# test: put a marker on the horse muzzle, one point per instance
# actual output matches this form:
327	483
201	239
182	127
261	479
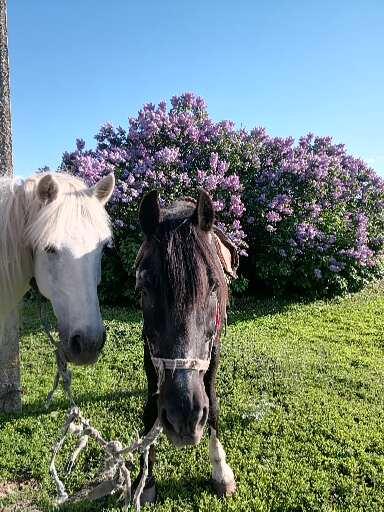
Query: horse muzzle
83	348
183	407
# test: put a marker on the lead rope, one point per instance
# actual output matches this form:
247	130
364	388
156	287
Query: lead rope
116	475
63	372
118	463
118	460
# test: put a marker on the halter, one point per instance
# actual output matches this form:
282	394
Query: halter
161	364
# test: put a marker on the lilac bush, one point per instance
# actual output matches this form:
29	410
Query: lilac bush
314	215
176	151
311	214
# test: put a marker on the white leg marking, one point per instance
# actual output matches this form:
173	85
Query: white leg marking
222	474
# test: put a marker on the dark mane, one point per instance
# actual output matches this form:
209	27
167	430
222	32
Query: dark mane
191	264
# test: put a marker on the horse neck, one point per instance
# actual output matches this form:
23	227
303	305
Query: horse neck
15	256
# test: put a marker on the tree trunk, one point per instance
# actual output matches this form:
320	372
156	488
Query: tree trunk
10	388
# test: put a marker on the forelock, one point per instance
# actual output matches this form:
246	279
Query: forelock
75	210
190	259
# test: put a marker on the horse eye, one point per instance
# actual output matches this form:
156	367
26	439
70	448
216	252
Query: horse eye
50	249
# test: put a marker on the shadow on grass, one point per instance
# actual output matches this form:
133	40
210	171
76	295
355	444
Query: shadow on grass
183	489
102	505
250	308
37	408
173	488
31	322
240	309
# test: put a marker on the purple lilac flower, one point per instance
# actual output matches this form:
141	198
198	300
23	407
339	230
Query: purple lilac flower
273	217
167	155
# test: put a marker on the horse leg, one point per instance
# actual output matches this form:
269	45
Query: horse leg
222	475
149	417
149	493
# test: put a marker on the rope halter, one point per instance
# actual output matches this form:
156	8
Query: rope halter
161	363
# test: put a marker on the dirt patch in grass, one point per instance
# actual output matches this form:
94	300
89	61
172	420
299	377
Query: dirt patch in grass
7	488
22	506
11	491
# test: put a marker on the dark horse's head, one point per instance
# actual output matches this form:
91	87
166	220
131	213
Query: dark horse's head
180	271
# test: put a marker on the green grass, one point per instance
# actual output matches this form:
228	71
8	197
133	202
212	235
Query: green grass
302	411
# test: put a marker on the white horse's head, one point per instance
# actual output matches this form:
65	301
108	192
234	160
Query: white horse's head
67	229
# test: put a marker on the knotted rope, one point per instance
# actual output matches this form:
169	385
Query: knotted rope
118	460
115	478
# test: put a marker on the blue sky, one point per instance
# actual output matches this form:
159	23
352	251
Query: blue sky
291	66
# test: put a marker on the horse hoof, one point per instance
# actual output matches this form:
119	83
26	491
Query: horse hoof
224	489
149	496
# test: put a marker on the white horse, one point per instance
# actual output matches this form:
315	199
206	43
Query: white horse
53	228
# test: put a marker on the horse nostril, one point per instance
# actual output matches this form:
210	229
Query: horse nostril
75	344
197	418
166	423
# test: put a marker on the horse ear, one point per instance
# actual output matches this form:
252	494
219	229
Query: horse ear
104	188
204	215
47	189
149	213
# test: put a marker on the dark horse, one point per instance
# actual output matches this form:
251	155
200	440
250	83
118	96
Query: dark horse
181	271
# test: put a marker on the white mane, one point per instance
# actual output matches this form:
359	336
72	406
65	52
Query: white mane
27	225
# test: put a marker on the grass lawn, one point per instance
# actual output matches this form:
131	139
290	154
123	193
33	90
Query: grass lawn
301	390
